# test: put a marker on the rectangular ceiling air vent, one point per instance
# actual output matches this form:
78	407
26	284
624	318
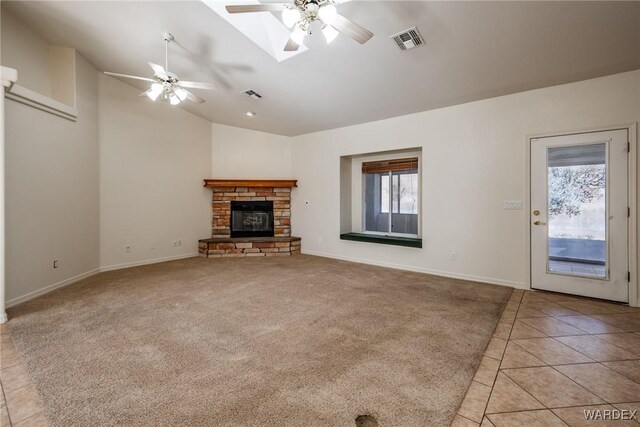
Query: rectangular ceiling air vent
252	94
408	39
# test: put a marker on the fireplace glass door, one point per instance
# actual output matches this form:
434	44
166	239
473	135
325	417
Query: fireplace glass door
251	219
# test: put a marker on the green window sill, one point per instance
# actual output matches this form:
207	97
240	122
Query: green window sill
383	240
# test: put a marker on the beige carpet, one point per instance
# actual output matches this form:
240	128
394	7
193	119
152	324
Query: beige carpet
282	341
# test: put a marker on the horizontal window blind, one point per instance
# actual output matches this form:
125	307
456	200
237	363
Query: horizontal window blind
395	165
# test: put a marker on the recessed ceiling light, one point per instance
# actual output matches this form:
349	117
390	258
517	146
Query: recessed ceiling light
251	113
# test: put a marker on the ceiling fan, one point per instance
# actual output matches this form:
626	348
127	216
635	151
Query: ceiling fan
302	13
165	85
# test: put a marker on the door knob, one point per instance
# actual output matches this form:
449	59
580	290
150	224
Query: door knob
539	223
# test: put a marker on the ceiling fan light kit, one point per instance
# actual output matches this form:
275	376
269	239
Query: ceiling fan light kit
299	16
165	85
290	16
329	33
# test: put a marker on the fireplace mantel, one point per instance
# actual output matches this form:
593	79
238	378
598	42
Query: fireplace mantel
255	183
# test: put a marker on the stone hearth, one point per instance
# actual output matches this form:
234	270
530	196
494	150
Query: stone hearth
226	191
249	246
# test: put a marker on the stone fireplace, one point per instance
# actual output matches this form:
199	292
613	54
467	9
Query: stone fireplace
250	218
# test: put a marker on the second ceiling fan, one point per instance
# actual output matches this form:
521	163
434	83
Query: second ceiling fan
299	16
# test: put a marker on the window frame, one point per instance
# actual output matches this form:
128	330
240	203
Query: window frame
390	213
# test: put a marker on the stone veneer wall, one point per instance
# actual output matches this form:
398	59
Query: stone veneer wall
223	196
278	246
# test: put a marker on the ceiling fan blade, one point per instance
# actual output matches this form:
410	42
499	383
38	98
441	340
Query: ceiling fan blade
291	46
127	76
248	8
194	98
351	29
159	70
197	85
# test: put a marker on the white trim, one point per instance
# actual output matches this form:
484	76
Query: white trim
147	262
69	281
489	280
634	284
47	289
632	129
390	234
8	77
33	99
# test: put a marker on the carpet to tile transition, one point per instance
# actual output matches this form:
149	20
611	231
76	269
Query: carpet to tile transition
282	341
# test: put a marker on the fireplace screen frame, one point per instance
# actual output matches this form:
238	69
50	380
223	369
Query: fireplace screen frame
252	206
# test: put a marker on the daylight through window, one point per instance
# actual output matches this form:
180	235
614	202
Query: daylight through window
391	192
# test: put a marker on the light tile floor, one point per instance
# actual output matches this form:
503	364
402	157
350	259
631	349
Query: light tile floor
20	405
552	357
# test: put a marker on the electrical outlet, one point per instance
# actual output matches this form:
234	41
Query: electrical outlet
127	249
320	239
55	264
179	241
454	256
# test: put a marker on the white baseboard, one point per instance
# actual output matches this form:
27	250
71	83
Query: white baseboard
50	288
490	280
89	273
148	261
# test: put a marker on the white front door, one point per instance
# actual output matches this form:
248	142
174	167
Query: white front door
579	214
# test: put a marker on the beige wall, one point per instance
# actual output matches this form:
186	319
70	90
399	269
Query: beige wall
127	173
153	158
52	198
244	153
474	158
27	52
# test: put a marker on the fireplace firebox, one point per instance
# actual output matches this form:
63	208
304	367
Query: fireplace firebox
252	219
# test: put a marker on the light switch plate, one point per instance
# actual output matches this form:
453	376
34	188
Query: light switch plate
513	205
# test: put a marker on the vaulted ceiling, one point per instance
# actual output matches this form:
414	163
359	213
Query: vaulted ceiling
473	50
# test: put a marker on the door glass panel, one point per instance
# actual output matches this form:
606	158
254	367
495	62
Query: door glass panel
577	210
376	201
405	199
395	194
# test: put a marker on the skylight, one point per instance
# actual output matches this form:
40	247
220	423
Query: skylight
263	28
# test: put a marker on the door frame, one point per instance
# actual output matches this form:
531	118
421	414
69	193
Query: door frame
634	292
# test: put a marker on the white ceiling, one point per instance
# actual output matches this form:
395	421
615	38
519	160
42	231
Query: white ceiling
473	50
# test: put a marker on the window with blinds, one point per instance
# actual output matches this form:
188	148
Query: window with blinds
391	189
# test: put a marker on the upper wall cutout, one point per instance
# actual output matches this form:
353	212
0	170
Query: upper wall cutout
46	73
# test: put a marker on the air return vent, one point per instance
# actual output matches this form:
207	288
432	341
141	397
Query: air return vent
252	94
408	39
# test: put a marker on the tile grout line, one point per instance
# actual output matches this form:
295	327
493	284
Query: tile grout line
515	382
522	304
586	333
482	416
6	405
28	384
484	413
500	369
